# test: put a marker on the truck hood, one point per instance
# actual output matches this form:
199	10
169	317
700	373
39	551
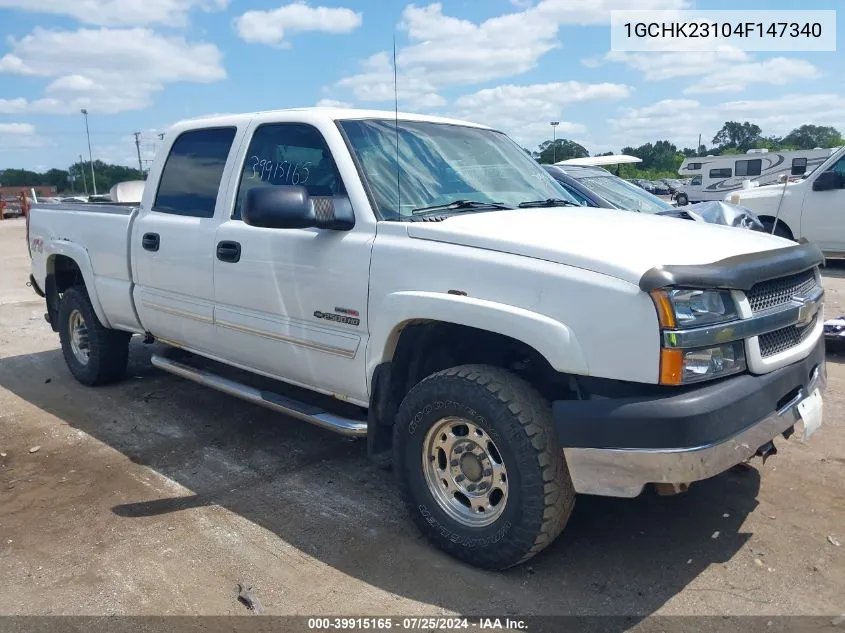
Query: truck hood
622	244
766	191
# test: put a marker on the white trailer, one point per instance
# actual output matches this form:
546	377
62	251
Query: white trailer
715	177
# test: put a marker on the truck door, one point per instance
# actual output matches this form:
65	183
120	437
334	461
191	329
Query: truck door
823	215
292	303
173	240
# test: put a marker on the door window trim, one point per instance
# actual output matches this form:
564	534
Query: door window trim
154	207
246	155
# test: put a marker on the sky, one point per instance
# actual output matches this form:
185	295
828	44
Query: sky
516	65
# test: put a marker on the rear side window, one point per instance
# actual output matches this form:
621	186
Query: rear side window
289	154
193	171
749	167
720	173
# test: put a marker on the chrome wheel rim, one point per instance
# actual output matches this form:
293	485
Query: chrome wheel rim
78	337
465	472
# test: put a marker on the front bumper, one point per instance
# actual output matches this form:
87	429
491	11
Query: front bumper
614	446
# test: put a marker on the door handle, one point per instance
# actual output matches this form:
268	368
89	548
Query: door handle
228	251
150	241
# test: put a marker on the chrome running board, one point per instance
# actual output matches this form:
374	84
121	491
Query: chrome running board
274	401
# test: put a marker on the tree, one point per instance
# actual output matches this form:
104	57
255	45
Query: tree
561	149
739	136
812	136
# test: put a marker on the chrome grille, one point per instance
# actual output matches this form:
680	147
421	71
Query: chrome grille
785	338
778	292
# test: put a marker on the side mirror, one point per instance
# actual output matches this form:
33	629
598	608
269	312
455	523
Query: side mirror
827	180
291	207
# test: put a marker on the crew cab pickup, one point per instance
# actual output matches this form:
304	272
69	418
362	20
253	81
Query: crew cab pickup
810	208
423	283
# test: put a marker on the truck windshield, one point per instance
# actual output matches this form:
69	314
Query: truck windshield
440	163
625	195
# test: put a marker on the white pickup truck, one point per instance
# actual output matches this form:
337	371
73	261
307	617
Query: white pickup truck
500	346
812	208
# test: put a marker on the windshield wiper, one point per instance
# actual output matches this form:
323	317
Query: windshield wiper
548	202
461	205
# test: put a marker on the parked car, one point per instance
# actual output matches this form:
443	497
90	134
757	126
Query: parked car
809	209
597	187
456	309
659	188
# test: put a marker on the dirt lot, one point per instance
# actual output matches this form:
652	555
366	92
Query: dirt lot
157	496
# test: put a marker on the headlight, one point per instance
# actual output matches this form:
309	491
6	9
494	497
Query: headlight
683	366
687	308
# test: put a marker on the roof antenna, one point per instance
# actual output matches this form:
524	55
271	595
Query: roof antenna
396	128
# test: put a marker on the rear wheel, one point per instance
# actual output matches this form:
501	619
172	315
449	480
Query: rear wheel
479	466
95	355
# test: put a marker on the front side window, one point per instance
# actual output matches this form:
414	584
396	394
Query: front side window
752	167
439	164
720	173
288	154
696	181
193	171
839	167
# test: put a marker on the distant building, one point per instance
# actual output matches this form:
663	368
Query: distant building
40	190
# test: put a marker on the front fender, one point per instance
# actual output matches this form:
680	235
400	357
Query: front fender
80	256
552	339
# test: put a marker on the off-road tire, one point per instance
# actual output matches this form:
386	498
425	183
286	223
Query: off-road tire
108	350
519	421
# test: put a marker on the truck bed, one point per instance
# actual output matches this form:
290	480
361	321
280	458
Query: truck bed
96	235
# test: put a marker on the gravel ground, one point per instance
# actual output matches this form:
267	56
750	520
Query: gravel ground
157	496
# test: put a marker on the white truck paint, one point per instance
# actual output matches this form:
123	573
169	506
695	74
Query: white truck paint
505	357
811	208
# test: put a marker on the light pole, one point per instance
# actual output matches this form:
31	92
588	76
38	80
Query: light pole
90	155
82	171
554	125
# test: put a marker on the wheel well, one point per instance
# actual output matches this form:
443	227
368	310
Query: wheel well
62	273
770	220
423	348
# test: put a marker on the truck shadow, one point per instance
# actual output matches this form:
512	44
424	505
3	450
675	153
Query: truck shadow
318	493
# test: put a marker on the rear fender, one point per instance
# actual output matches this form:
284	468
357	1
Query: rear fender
79	255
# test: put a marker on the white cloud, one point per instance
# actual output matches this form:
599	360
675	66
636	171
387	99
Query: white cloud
271	27
725	70
447	51
525	111
682	120
774	72
19	136
118	12
333	103
106	70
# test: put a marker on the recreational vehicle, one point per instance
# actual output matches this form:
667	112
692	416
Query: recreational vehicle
715	177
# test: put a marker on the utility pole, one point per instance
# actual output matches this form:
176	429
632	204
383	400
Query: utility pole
554	125
138	149
82	171
698	147
90	155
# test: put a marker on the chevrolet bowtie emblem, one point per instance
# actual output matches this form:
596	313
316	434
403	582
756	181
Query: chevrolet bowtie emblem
808	307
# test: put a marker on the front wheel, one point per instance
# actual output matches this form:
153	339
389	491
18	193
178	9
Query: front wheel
479	466
682	199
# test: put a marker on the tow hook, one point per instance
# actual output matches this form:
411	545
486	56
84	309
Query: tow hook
767	450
